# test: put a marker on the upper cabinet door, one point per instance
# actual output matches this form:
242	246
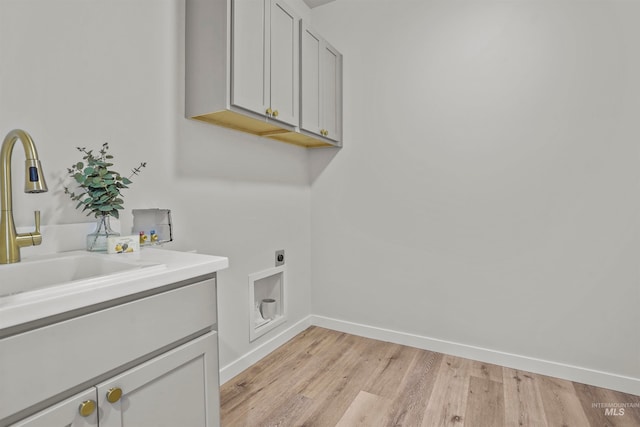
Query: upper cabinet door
311	49
331	76
265	67
249	55
321	87
284	66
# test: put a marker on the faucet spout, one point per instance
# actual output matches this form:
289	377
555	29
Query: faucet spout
10	240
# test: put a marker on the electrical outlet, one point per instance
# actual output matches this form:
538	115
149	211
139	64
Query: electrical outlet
279	257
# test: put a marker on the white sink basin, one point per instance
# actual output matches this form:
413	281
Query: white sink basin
43	286
36	274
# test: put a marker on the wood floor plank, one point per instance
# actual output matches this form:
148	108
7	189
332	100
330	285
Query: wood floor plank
607	407
395	363
367	410
561	405
337	386
486	370
485	403
522	400
415	390
277	373
447	407
327	378
285	413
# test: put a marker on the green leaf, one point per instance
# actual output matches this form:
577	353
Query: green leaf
79	165
79	177
126	181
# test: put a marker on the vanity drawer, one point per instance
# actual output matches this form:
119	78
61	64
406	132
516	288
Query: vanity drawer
61	357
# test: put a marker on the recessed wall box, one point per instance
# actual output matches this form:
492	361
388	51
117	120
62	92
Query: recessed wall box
153	226
266	285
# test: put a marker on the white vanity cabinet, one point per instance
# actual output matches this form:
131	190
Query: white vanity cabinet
148	359
321	87
169	390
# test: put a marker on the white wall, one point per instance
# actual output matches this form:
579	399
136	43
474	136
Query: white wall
79	73
488	190
487	193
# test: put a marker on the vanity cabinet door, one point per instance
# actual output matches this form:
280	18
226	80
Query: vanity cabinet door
321	86
77	411
177	388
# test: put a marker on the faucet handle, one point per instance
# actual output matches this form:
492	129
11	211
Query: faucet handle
37	218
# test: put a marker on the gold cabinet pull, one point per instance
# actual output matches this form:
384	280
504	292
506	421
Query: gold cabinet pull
114	394
87	407
269	111
275	113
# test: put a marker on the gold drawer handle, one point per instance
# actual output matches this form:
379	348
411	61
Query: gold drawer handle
269	111
275	113
87	407
114	394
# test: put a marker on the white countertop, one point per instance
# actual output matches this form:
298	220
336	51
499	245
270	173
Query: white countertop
158	267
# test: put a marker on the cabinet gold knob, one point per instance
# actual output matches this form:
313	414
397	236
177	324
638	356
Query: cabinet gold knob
275	113
87	407
269	111
114	394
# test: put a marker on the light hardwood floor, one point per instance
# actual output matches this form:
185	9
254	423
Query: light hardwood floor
328	378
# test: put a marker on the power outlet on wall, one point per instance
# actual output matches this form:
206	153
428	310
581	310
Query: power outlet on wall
279	257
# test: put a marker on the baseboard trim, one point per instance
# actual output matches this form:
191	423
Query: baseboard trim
515	361
237	366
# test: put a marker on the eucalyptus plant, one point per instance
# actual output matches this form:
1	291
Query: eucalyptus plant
99	186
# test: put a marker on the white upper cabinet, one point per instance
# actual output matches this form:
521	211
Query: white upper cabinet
321	87
243	71
264	69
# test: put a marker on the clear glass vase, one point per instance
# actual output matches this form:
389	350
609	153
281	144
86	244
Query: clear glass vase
97	241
